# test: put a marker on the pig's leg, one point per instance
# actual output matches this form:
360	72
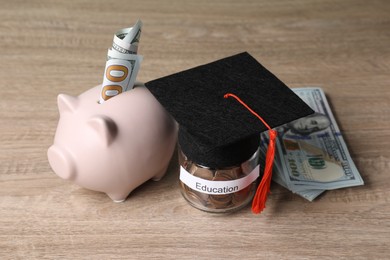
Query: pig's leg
160	174
118	196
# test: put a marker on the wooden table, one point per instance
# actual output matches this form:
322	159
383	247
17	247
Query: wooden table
52	47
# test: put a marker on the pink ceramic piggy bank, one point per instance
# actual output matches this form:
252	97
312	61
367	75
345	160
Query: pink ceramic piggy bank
115	146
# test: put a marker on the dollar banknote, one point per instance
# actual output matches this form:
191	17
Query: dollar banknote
278	177
123	62
312	155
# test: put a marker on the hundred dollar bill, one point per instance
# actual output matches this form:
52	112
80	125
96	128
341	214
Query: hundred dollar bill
309	194
311	152
123	62
278	177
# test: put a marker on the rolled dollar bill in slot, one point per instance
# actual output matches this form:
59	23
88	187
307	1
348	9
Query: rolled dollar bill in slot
123	62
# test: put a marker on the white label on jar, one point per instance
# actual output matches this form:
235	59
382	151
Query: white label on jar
217	187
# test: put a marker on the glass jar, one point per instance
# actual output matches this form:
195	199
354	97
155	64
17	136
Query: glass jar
218	190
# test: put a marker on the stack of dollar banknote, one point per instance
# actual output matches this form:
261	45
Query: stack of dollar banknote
311	155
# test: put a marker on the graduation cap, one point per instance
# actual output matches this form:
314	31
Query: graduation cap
214	129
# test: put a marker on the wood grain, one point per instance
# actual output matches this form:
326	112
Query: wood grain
50	47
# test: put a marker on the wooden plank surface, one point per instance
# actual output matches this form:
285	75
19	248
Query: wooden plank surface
52	47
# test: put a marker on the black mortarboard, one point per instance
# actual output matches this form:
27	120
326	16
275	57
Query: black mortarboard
218	132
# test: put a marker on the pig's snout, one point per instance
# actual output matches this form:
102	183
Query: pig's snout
61	163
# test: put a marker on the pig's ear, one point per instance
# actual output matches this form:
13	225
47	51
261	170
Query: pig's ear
66	103
105	127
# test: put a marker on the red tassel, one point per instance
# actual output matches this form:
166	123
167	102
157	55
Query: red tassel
263	189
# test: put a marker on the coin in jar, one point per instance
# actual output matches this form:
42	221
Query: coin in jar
204	173
193	196
244	194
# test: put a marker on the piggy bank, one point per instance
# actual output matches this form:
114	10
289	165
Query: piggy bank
115	146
